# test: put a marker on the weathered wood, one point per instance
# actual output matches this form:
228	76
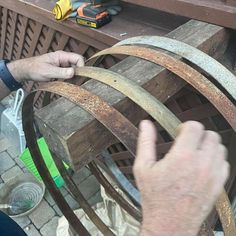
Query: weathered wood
28	28
74	135
219	12
41	11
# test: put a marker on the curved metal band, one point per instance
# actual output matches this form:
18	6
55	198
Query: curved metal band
78	196
221	74
136	93
184	71
112	192
31	139
86	102
199	82
91	103
123	181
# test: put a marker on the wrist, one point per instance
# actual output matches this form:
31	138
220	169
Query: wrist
18	70
167	227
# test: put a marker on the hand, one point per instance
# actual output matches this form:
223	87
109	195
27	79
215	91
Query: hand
179	191
54	65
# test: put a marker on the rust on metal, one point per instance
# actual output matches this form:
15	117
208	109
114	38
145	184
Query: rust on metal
31	139
122	128
208	64
136	93
208	89
184	71
123	181
111	191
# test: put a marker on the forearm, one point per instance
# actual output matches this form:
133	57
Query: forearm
155	231
4	91
167	227
18	70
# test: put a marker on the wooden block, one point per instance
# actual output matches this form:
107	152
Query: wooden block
76	136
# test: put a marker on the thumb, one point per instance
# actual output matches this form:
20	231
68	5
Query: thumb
146	150
61	73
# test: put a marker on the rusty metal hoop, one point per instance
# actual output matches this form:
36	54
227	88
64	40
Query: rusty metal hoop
120	177
208	64
184	71
218	99
86	100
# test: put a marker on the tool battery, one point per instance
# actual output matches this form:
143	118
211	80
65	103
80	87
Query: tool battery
93	16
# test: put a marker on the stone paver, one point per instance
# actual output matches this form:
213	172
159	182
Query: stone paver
49	198
11	173
4	144
22	221
89	187
25	170
1	184
50	228
57	210
13	151
81	175
5	162
19	163
30	230
71	201
42	214
44	219
64	191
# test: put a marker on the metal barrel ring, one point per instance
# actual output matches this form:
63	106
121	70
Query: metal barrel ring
125	132
123	129
202	84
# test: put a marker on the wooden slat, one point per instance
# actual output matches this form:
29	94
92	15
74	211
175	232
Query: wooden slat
62	42
126	169
12	34
34	40
48	40
78	47
217	12
22	30
3	31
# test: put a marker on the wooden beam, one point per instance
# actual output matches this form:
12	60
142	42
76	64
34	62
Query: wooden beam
219	12
77	137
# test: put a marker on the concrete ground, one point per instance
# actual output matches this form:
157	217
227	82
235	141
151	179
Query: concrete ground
44	220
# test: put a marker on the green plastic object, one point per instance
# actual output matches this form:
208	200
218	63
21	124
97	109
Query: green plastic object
28	162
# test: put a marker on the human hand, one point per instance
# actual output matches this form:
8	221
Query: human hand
179	191
49	66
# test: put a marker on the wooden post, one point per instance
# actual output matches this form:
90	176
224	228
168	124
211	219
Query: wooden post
77	137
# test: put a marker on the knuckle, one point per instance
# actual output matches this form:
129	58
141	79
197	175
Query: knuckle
213	136
185	154
194	126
